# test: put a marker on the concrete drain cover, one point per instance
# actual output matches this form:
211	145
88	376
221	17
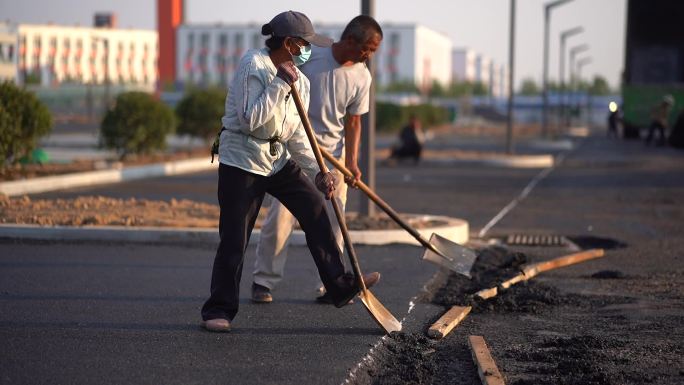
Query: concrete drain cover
535	240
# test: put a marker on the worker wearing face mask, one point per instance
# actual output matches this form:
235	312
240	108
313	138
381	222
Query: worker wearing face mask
340	85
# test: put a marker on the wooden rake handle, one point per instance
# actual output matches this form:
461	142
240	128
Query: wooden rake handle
382	204
321	164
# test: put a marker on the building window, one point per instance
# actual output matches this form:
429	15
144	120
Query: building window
237	54
392	54
203	57
221	58
256	40
188	58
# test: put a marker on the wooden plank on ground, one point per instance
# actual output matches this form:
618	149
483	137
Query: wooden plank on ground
448	321
505	285
487	293
536	268
486	367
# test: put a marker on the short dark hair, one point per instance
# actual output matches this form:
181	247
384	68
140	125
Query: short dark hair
361	28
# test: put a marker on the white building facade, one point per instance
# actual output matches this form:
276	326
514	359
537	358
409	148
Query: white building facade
209	54
464	63
470	66
51	54
8	53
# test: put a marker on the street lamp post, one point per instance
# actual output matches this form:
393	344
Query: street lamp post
580	64
561	70
367	158
545	89
511	66
573	52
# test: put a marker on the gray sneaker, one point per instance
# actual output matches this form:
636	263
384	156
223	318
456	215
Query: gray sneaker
261	294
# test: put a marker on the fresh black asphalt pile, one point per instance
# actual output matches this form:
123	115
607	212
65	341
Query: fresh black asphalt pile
537	333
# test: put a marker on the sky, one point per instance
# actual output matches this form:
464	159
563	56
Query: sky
482	25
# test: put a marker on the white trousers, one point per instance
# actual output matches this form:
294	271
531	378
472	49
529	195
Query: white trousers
271	251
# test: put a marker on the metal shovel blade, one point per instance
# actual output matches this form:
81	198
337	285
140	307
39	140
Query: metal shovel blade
379	312
455	257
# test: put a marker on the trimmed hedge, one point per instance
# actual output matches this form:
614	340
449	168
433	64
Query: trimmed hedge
138	124
199	113
23	120
392	117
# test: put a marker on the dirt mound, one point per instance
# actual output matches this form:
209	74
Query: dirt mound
492	266
577	360
104	211
404	360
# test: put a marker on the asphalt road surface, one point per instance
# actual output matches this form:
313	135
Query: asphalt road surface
129	313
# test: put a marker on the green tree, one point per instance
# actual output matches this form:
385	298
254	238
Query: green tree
138	124
391	117
599	86
529	87
402	86
437	90
200	111
23	120
480	89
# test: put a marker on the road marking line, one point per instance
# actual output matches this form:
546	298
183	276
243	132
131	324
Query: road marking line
526	191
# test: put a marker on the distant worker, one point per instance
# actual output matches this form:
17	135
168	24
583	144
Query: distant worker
659	120
614	119
411	139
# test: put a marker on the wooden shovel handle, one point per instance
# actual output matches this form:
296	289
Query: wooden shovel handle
321	164
383	205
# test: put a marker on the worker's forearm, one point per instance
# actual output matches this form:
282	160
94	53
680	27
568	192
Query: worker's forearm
352	138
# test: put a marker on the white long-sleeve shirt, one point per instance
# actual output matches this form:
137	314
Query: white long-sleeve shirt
258	111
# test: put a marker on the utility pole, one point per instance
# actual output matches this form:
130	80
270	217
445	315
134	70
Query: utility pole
545	82
573	52
561	71
581	63
367	158
511	77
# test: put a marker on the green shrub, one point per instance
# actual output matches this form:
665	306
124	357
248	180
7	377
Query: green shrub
23	120
138	124
392	117
199	112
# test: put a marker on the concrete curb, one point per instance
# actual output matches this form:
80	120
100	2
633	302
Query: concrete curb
455	230
511	161
90	178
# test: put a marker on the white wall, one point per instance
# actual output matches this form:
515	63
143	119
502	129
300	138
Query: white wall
464	65
433	57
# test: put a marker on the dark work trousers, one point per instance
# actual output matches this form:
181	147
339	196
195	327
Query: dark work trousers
240	194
